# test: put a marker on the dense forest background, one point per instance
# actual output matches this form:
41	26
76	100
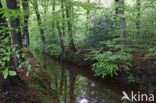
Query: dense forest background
118	35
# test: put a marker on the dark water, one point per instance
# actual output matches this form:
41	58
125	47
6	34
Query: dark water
78	85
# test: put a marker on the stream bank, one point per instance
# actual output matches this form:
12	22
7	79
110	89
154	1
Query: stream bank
75	84
61	81
146	85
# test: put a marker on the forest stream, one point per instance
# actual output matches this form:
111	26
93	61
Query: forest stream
79	85
77	51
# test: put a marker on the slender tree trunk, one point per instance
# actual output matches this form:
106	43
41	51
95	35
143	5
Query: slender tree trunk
120	10
53	23
71	45
40	25
63	16
59	31
88	17
123	27
122	21
116	24
88	12
25	4
60	37
138	3
45	3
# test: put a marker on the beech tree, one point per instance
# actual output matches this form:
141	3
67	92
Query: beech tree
71	45
63	17
15	32
35	4
120	10
111	40
10	45
25	5
60	36
138	4
60	32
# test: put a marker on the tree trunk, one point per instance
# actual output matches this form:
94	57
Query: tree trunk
123	27
26	18
120	10
60	37
138	3
122	21
40	25
15	34
72	76
63	16
16	41
59	30
53	23
71	45
88	13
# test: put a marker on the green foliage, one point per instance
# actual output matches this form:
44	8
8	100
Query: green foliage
41	85
90	31
114	57
109	63
101	30
151	52
43	88
131	78
5	73
5	57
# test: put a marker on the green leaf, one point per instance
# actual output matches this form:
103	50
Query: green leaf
29	67
2	63
5	73
12	73
23	55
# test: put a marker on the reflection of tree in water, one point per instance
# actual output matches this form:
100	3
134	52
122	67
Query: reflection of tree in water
62	80
73	88
44	62
93	93
65	90
52	67
72	83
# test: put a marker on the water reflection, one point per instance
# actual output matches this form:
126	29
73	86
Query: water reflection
72	87
84	100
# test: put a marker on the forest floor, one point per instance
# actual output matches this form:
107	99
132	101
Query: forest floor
27	93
